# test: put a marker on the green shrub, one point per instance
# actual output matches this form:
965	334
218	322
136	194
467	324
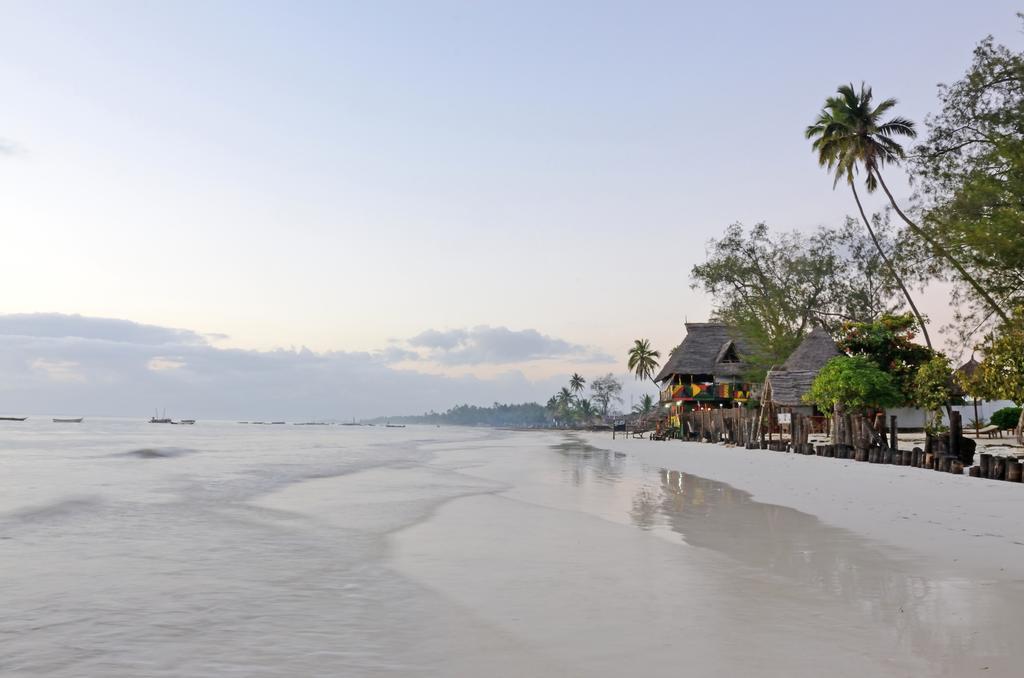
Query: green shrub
1006	418
854	383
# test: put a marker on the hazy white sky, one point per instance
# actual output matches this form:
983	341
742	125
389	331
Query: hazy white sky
348	176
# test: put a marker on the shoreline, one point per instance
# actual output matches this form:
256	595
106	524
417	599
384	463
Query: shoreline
601	558
959	521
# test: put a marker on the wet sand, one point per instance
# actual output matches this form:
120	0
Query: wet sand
592	558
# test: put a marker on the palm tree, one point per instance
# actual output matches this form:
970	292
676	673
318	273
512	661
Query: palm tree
645	406
553	408
850	134
847	134
587	410
643	360
565	399
576	382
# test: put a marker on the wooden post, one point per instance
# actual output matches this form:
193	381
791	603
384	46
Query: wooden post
985	464
1014	471
956	466
998	468
956	430
894	439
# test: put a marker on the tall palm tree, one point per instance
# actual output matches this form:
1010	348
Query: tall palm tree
565	400
576	383
856	127
847	134
643	360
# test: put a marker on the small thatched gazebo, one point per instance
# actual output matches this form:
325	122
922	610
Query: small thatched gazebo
786	386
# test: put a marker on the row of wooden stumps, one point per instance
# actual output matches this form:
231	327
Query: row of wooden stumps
735	426
862	441
997	468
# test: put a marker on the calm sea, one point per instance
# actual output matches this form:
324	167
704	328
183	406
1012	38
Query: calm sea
137	549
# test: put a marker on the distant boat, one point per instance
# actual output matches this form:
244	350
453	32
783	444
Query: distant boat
160	420
13	418
277	422
187	421
394	425
75	420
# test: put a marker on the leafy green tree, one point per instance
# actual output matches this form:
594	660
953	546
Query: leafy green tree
1001	372
853	384
773	287
931	389
849	133
970	175
604	391
643	360
889	343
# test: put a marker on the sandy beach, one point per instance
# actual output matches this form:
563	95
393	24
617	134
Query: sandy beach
602	558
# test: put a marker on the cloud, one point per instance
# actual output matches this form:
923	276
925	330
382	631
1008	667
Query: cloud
58	325
77	365
499	346
8	147
58	370
435	339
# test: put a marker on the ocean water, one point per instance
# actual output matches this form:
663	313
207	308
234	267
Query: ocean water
137	549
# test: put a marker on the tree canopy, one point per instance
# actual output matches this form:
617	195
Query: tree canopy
604	391
970	176
889	343
774	286
854	383
1001	372
931	389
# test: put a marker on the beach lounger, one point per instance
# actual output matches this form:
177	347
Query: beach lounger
991	431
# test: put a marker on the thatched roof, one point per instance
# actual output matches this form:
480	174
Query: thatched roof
707	348
814	351
790	382
789	386
969	368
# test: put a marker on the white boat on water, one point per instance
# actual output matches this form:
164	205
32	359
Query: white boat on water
73	420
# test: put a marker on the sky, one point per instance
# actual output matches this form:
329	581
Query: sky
475	198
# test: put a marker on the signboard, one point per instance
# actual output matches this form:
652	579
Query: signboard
785	417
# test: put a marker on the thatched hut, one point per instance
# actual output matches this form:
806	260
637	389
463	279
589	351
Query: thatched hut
706	370
786	386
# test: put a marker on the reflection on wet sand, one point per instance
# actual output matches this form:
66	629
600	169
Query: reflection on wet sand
924	607
583	459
